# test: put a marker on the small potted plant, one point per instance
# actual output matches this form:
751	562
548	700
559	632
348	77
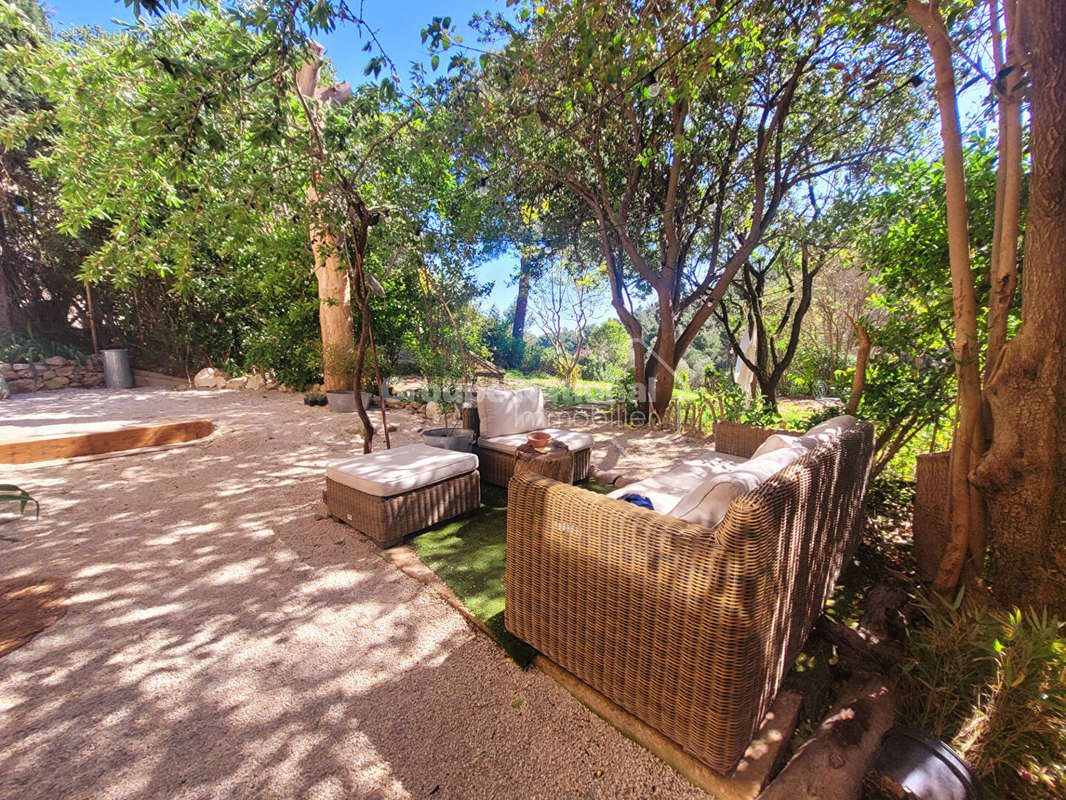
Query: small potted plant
339	362
442	357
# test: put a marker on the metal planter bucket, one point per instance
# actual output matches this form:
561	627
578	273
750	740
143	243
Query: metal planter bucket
459	439
911	764
341	402
117	372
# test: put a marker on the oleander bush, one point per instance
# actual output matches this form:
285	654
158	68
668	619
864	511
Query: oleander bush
993	685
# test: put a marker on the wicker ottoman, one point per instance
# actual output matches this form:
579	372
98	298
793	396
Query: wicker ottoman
391	493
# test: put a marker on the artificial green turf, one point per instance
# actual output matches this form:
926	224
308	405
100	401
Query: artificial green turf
468	555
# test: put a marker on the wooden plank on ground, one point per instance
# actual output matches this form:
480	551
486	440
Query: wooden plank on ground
90	444
144	377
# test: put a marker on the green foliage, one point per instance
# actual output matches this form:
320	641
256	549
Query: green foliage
608	351
537	358
659	124
625	390
595	367
181	154
16	348
610	341
11	493
806	374
22	24
994	686
730	404
901	243
888	494
506	351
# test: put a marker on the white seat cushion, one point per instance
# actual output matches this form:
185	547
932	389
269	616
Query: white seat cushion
401	469
505	411
666	489
575	440
706	504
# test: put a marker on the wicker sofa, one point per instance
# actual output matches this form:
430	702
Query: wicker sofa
689	629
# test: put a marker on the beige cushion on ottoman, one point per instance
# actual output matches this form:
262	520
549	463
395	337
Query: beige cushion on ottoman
401	469
391	493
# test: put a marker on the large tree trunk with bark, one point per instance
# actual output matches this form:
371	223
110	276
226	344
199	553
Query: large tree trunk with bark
334	306
334	299
1024	472
521	303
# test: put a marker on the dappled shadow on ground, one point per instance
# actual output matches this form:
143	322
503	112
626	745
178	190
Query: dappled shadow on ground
223	640
27	607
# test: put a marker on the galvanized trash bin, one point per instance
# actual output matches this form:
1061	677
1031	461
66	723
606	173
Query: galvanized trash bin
117	372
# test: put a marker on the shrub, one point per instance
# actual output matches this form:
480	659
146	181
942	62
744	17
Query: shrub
537	358
294	358
18	349
994	686
729	403
505	350
597	368
625	390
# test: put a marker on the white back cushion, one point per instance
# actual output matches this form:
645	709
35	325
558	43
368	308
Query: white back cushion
831	428
775	442
707	503
506	411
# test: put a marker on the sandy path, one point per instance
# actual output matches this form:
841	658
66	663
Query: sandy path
224	642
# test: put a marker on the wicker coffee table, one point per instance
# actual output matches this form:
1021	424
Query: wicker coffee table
557	462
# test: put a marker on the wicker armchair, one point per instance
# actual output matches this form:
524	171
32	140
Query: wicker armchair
497	467
689	629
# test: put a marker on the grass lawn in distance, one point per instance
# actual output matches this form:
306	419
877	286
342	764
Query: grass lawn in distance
468	555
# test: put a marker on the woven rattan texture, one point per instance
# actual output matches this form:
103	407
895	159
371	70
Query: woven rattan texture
743	440
691	630
387	520
497	467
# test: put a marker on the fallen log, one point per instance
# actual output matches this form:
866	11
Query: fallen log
874	645
832	763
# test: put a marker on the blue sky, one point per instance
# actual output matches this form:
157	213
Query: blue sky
397	25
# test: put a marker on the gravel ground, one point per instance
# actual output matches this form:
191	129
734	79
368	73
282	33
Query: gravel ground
224	640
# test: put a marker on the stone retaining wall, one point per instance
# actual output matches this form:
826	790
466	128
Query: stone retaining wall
52	373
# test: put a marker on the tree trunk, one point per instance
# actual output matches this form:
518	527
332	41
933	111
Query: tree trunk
521	303
662	362
334	299
1004	264
966	504
334	306
7	262
7	305
858	382
768	390
1022	474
